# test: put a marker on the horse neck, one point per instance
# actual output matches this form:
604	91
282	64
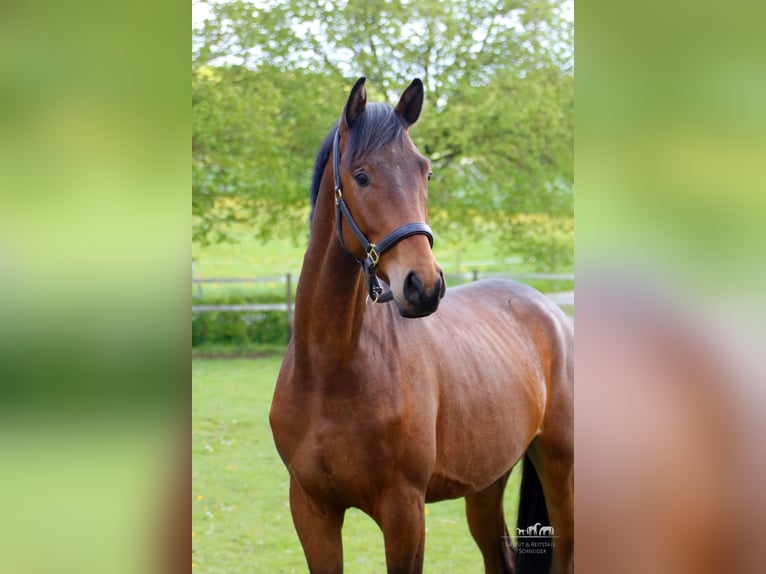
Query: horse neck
330	300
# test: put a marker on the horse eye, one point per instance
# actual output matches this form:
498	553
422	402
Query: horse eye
362	179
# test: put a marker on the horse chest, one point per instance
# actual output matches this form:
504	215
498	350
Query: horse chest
342	458
351	447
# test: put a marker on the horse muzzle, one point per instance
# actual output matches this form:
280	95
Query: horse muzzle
419	299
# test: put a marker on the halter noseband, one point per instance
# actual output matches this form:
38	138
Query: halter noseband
372	251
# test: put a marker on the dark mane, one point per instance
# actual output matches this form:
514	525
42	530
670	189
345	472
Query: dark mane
377	126
321	160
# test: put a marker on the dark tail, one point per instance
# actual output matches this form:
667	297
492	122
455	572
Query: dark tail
533	554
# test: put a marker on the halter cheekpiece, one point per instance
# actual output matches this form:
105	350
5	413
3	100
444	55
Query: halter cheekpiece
372	251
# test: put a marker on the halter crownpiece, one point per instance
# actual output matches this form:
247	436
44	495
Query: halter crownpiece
372	251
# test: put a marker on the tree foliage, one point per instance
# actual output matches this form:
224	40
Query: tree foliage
254	136
269	80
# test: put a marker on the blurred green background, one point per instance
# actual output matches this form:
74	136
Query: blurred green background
94	248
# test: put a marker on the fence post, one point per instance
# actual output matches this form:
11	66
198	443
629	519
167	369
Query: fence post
289	306
475	274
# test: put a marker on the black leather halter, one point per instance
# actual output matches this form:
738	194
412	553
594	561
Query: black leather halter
372	251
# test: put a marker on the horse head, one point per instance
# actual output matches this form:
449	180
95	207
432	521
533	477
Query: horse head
384	183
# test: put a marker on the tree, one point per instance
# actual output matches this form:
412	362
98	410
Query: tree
268	81
254	136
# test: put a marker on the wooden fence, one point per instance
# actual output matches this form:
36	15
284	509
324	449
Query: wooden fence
560	298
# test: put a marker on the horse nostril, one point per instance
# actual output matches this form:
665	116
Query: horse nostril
415	292
413	288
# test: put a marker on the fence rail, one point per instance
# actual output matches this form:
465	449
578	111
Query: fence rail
242	307
489	274
280	279
560	298
474	275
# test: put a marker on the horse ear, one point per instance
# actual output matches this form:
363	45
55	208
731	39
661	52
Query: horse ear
357	101
411	103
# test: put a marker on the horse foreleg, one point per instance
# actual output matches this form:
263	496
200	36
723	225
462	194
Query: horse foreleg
401	517
319	530
486	520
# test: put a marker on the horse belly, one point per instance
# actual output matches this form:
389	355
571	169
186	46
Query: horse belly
485	424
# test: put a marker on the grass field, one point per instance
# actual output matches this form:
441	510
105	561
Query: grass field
240	514
249	257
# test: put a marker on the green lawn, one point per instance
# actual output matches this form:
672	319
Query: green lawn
240	514
249	257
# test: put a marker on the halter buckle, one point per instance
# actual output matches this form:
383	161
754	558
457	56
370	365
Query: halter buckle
373	255
338	194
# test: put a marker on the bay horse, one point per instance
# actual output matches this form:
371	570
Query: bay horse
385	407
